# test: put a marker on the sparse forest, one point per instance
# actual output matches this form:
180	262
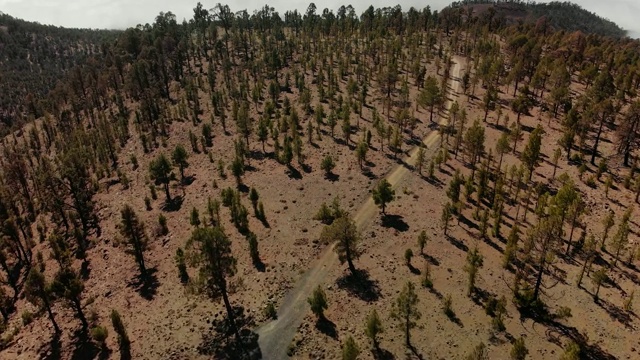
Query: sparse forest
321	184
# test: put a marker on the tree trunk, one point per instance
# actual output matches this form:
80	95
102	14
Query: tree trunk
47	305
595	145
227	305
166	191
407	335
78	307
584	269
536	291
573	226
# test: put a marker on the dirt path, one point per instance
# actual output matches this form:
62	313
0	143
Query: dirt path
276	335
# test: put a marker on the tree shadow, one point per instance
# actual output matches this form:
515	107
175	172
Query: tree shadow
327	327
52	350
85	270
146	285
432	260
487	240
382	354
306	168
466	221
395	221
293	173
243	188
413	269
125	351
457	243
332	177
220	342
415	352
360	285
451	315
587	351
369	174
620	315
188	180
83	347
259	265
174	204
105	353
433	180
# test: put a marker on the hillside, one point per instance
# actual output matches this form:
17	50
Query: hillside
565	16
33	58
319	185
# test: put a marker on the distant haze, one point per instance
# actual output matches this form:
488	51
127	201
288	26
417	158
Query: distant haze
120	14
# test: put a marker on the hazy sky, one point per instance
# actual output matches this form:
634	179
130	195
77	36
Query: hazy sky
120	14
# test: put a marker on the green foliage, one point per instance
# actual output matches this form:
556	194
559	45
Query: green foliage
194	218
518	350
162	223
160	171
531	153
474	263
182	266
344	233
383	194
422	241
447	308
27	317
318	302
571	351
68	286
134	236
252	240
327	165
350	350
180	157
474	142
408	254
373	327
479	352
405	310
99	334
270	311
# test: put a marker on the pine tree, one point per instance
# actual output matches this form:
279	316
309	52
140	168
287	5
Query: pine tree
180	157
422	241
531	153
318	302
37	292
373	327
344	233
383	194
405	310
446	216
210	251
350	350
420	159
327	165
68	286
160	171
474	263
518	350
134	237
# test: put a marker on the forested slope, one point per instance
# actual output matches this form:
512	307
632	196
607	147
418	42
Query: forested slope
559	15
34	57
176	188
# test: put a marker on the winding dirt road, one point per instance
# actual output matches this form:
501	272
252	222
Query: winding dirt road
276	335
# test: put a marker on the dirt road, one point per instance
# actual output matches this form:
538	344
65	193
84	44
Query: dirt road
276	335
